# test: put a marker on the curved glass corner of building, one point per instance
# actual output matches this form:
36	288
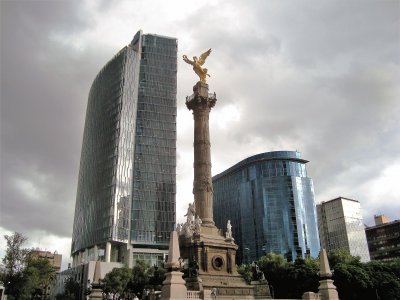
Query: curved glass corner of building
270	201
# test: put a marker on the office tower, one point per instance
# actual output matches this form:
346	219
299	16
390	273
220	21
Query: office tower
341	227
269	200
125	204
383	239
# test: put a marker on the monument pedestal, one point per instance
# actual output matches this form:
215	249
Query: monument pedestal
97	292
216	258
174	287
327	290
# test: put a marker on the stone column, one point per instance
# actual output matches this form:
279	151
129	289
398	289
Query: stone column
108	252
201	103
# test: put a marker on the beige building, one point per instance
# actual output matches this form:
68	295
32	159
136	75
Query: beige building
341	227
53	258
55	261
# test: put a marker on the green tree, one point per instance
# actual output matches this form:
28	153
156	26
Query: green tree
140	277
14	259
24	273
14	263
341	256
246	271
71	290
38	275
117	280
375	280
276	270
134	280
352	281
303	273
350	276
385	279
156	277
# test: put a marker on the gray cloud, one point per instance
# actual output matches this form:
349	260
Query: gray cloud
42	95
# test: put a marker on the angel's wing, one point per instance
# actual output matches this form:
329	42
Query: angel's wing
187	60
202	58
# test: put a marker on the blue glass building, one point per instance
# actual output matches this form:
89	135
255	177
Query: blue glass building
125	204
270	201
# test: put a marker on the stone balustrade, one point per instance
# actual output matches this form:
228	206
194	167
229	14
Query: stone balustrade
193	295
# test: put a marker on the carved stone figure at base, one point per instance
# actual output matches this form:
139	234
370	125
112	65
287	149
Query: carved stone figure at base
197	225
257	273
228	233
190	213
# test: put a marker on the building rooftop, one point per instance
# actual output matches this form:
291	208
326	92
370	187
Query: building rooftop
339	198
383	225
273	155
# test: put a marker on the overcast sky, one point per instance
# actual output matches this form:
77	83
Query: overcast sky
320	77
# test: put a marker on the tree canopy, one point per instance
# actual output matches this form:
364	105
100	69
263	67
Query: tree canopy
24	274
352	278
134	280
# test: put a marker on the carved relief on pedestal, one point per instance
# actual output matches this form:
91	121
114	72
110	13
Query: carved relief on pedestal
205	184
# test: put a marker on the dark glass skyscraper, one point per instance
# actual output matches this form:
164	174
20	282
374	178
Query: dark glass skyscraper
270	202
125	204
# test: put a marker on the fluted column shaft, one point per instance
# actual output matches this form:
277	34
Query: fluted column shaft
201	105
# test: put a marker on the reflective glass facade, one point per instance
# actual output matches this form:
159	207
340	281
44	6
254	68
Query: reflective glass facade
127	177
341	227
270	202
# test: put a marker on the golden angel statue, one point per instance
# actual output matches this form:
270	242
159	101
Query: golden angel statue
197	63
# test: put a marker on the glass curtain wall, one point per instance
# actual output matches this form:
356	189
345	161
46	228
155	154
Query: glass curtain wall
154	187
105	166
127	178
270	202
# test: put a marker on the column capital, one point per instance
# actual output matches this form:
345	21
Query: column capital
201	98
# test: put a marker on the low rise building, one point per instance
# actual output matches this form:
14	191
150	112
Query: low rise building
53	258
384	239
